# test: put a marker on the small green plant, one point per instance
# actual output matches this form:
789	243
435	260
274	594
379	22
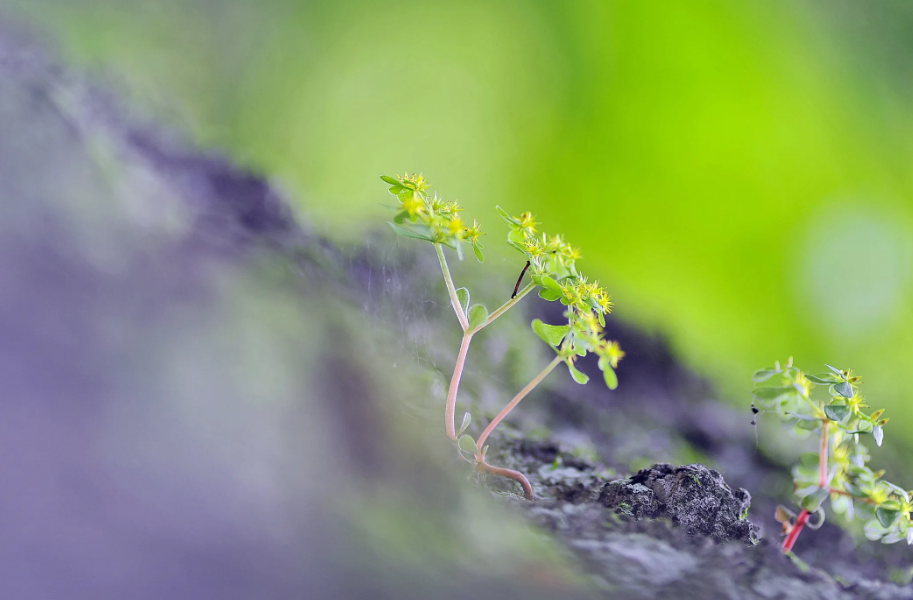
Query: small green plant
838	471
550	267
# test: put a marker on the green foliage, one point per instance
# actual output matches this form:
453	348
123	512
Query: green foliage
839	472
552	268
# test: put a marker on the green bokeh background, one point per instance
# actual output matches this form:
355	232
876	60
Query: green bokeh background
738	173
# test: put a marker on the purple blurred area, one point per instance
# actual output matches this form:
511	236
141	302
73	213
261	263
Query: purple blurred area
143	451
181	412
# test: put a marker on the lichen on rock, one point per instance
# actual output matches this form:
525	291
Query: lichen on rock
692	496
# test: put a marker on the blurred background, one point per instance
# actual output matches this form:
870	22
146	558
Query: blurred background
737	173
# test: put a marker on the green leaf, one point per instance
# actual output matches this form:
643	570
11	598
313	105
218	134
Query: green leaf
467	419
550	284
467	444
878	434
820	522
813	501
807	425
835	371
391	180
578	376
550	334
611	379
763	375
463	296
863	427
844	389
837	412
825	379
548	295
401	217
886	516
506	216
477	250
874	530
408	233
801	417
478	314
772	393
897	490
459	250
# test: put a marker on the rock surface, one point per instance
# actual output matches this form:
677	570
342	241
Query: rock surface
693	497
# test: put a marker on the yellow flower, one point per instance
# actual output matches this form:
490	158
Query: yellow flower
527	224
614	353
472	233
413	205
455	227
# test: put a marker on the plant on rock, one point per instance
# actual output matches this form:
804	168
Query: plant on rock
550	267
838	471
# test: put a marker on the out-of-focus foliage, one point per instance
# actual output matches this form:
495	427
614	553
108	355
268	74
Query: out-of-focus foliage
738	171
839	471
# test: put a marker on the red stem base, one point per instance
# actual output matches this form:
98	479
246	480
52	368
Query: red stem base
790	540
510	474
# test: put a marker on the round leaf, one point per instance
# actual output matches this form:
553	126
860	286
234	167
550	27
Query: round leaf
813	501
837	412
772	393
467	444
763	375
463	295
611	379
844	389
478	314
548	295
886	516
550	334
578	376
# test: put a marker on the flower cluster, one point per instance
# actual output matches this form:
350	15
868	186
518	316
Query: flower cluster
839	470
553	267
431	218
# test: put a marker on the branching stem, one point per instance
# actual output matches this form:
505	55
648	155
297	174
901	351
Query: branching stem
506	306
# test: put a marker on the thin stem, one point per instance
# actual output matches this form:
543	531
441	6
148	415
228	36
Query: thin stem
790	540
506	306
450	409
448	280
515	475
822	456
480	443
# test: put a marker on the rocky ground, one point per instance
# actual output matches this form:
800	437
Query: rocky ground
204	397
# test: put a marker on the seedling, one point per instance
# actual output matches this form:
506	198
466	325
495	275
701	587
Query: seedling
838	471
550	267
